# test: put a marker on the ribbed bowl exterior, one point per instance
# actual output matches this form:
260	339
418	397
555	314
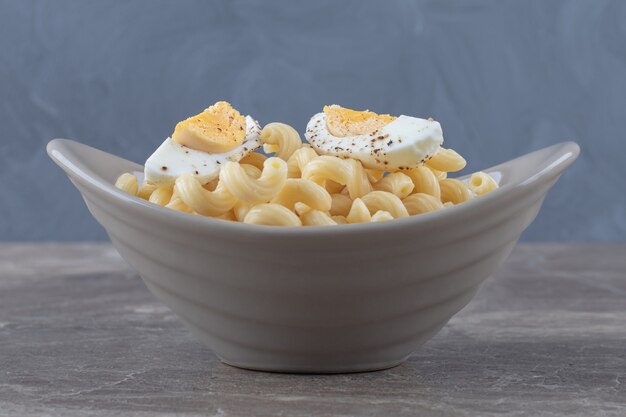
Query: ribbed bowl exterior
262	306
325	303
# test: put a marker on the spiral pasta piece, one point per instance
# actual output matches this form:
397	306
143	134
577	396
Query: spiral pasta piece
481	183
202	201
299	159
359	184
229	215
211	185
280	138
340	205
396	183
447	160
254	190
441	175
325	168
425	181
271	214
255	159
127	182
381	216
317	218
383	200
303	191
340	219
161	196
374	175
240	209
359	213
334	187
454	191
347	172
419	203
252	171
146	190
176	203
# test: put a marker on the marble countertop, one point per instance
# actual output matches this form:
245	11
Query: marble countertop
81	336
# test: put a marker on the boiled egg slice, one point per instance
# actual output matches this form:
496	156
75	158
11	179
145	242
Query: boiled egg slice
203	143
379	141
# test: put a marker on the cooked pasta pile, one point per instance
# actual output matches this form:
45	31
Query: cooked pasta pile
298	187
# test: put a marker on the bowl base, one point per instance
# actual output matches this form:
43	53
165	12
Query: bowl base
349	369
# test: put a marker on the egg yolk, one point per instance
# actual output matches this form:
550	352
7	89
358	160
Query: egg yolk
342	122
218	129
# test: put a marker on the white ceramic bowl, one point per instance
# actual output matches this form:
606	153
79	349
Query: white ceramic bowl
320	299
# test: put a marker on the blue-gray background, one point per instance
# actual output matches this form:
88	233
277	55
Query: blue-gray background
502	77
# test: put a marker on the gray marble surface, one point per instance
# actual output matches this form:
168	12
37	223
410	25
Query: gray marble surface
81	336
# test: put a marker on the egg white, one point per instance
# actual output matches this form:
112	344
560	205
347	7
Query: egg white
403	143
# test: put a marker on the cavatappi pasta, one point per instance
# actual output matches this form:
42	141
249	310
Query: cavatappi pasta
298	187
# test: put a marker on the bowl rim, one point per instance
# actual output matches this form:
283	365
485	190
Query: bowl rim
559	157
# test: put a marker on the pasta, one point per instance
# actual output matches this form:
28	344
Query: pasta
176	203
229	215
146	190
374	175
334	187
340	205
340	219
481	183
161	196
359	213
348	172
211	185
298	187
317	218
240	209
128	183
270	214
446	160
396	183
383	200
454	191
280	138
303	191
441	175
420	203
381	216
254	190
425	181
298	160
255	159
201	200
